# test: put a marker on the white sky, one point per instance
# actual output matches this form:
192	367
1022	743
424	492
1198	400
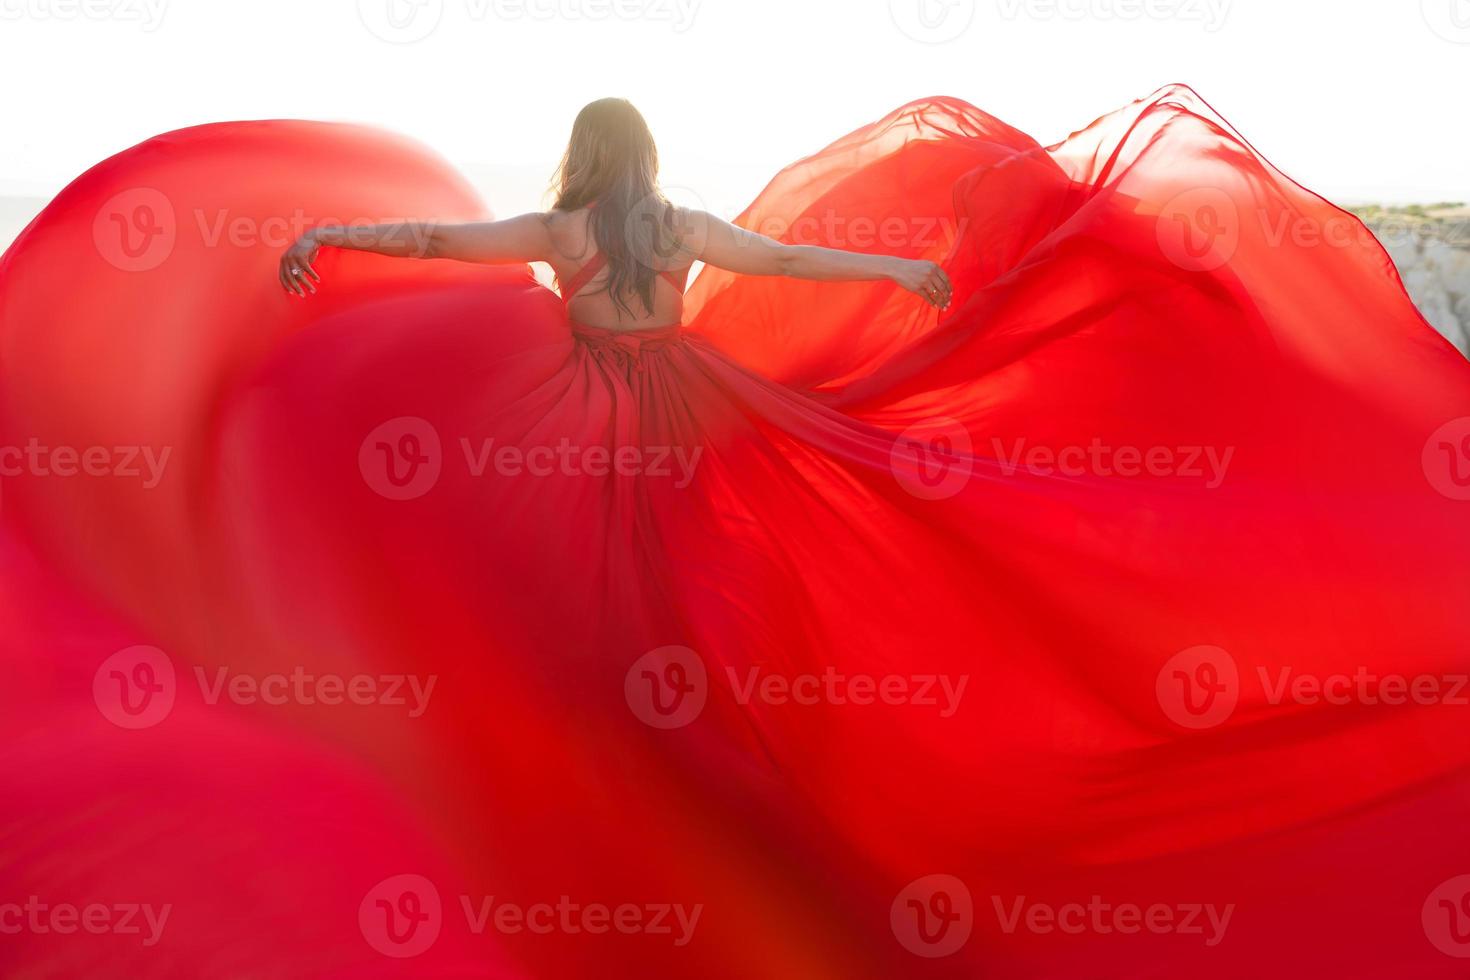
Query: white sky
1359	99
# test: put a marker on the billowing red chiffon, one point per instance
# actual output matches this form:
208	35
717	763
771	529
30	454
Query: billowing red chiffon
869	635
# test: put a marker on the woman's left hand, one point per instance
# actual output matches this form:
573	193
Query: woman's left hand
926	279
296	272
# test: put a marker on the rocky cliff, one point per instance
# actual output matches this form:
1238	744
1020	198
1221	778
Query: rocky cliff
1431	247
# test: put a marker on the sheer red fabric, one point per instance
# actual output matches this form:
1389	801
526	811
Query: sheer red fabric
1110	623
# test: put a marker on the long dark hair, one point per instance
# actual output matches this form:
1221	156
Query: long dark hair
611	161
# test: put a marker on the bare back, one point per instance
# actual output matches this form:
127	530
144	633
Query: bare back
573	248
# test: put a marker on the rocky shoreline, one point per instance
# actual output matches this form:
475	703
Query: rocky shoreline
1430	245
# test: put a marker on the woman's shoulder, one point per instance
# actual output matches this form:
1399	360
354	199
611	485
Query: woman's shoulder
568	230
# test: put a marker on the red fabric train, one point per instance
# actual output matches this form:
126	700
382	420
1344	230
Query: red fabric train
1111	623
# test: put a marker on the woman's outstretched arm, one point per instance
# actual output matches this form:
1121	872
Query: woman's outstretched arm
726	246
520	239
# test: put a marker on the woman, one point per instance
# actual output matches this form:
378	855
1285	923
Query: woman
612	161
1102	616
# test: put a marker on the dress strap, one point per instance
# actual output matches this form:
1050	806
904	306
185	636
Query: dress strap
582	277
595	265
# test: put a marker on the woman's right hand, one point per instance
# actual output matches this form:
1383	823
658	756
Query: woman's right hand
926	279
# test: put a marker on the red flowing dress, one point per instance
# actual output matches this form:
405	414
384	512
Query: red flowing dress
1111	623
